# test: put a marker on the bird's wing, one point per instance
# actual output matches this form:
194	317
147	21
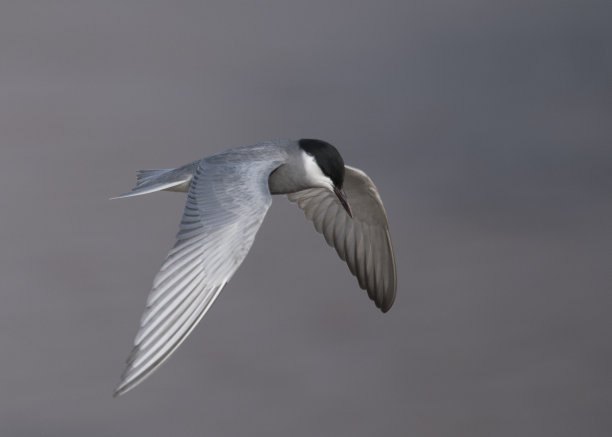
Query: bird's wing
226	204
363	241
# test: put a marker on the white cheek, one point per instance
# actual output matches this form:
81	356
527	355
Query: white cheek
315	176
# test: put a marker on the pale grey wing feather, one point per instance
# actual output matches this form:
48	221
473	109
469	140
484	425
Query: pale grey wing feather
363	241
226	204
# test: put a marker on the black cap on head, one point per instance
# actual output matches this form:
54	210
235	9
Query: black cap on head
327	157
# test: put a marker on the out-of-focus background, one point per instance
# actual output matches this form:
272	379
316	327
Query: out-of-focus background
487	127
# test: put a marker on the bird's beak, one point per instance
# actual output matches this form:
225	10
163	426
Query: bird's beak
342	198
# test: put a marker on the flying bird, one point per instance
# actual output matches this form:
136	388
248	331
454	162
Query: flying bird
228	195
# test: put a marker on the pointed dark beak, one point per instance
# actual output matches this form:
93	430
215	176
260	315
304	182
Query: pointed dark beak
342	198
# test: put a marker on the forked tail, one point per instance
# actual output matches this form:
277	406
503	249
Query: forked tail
165	179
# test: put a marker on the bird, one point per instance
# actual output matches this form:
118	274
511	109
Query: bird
228	195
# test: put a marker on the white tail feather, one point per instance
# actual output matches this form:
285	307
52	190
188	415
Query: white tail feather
167	179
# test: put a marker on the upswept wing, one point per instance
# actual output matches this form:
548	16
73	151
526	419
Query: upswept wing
363	241
226	204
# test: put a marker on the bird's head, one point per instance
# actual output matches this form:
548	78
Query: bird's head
325	168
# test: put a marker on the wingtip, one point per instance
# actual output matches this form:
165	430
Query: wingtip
119	390
121	196
122	389
387	303
385	307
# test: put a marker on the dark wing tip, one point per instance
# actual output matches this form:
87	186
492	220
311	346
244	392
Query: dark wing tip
385	298
387	302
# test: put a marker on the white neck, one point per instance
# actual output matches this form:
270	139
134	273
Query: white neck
314	174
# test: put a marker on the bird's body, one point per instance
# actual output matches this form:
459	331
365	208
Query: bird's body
228	196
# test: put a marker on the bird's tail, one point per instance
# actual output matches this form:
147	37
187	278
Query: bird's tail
168	179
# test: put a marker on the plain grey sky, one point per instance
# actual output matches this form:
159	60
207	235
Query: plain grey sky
486	126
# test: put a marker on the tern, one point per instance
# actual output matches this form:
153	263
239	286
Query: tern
228	195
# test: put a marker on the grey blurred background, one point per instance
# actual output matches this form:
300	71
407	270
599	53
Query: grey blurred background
486	126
